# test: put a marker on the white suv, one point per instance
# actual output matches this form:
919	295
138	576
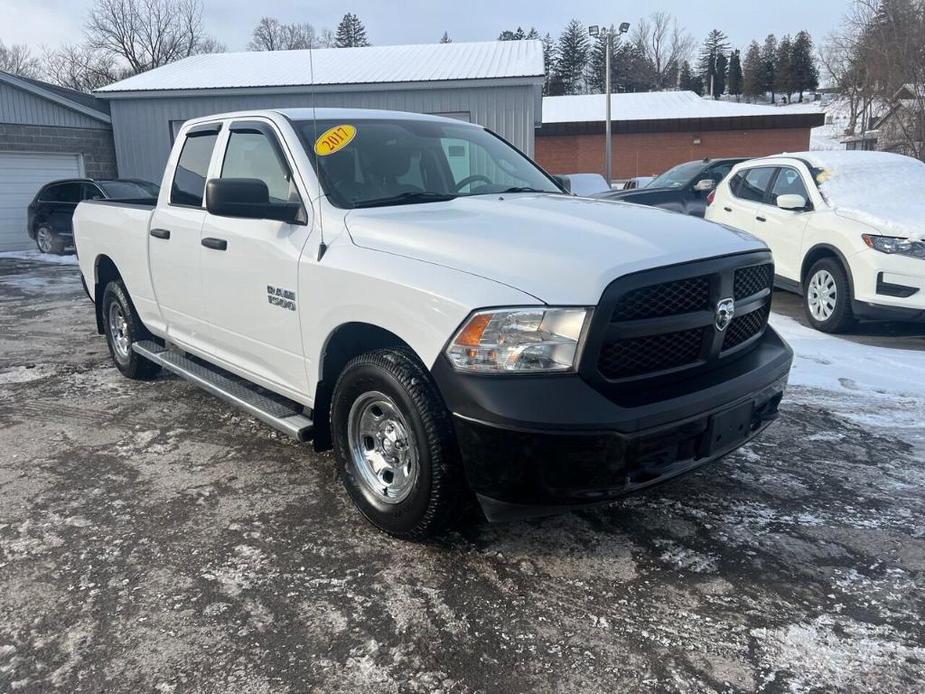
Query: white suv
846	229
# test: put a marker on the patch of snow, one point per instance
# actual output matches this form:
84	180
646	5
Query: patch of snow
25	374
40	257
866	384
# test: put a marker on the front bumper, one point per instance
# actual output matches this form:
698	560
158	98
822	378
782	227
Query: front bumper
538	445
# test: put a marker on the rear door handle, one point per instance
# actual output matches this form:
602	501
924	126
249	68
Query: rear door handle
727	209
761	219
160	233
215	244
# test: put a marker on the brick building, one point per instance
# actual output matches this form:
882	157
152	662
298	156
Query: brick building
653	131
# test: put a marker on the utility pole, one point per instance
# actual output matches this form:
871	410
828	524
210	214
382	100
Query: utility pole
608	139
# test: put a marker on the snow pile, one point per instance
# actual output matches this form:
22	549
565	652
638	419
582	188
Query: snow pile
871	386
878	188
40	257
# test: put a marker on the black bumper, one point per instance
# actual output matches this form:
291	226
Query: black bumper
537	445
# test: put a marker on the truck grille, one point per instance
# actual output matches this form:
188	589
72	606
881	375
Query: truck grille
664	322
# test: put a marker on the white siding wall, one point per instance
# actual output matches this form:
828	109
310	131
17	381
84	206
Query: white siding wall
141	126
21	107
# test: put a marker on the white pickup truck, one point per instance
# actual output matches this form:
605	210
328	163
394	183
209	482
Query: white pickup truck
418	294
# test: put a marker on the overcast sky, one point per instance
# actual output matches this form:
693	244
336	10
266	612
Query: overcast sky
52	22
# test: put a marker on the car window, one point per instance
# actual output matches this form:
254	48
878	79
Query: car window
189	180
253	155
91	192
64	192
126	190
789	182
719	172
50	193
755	183
678	177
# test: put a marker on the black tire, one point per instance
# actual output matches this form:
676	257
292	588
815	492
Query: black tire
434	497
49	241
839	317
131	364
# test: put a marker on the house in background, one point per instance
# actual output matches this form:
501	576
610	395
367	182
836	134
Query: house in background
654	131
497	84
46	132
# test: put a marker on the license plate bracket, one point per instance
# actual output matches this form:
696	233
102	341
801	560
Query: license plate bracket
729	428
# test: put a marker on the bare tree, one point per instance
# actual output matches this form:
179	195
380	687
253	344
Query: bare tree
82	68
18	60
148	33
272	35
665	44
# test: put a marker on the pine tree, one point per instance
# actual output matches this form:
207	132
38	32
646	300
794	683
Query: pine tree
768	65
572	61
686	77
597	64
446	38
734	75
716	44
719	77
783	74
519	35
753	72
803	64
350	32
549	64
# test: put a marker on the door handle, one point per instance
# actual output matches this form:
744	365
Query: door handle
761	219
215	244
160	233
727	209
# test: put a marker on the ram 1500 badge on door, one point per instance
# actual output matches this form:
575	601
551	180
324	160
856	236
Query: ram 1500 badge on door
417	294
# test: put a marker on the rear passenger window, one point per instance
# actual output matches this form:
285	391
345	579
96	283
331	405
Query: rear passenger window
189	180
755	184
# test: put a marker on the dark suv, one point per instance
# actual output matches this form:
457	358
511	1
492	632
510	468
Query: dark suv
682	189
50	212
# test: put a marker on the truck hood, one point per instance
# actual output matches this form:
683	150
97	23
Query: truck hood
557	248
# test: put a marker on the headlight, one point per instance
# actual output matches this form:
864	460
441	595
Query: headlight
522	340
895	245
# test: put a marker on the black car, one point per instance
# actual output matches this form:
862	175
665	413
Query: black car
682	189
50	212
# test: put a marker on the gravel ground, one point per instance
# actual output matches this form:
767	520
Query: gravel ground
151	539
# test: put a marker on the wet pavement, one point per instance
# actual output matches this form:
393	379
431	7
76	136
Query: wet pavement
152	539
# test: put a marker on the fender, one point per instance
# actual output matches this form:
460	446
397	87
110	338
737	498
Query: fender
813	254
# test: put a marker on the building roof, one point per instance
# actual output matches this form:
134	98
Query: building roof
588	108
86	104
342	66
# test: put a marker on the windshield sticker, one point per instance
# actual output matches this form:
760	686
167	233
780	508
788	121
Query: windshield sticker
334	140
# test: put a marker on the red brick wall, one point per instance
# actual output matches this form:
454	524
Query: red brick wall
647	154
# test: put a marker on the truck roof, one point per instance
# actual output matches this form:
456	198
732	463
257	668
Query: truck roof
300	114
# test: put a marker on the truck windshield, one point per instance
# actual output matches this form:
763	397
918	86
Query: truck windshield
678	177
378	162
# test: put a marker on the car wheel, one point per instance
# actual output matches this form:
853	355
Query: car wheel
395	446
827	297
123	328
48	241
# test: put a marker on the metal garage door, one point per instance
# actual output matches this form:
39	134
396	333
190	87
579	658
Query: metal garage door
21	176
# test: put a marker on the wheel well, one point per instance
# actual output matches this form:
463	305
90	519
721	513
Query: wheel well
105	271
346	342
818	253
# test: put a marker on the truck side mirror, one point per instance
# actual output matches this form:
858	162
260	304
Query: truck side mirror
248	198
704	185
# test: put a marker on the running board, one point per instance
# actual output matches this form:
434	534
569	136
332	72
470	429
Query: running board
278	415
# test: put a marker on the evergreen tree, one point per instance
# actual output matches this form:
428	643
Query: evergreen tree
597	64
549	65
686	77
716	44
783	74
572	58
719	77
803	64
350	32
446	38
734	74
768	65
753	72
519	35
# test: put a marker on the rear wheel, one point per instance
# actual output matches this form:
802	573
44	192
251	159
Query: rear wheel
395	445
827	297
123	329
48	241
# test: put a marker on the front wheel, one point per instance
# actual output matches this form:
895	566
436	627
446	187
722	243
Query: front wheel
48	241
395	445
827	297
123	329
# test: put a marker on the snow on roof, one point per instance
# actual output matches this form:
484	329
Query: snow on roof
585	108
878	188
334	66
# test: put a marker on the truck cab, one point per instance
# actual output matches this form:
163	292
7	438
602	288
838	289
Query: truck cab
416	293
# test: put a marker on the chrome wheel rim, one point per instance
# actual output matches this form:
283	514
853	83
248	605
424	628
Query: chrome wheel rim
382	448
822	295
118	330
44	238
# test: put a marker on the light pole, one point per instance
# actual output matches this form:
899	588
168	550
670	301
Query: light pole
594	30
608	33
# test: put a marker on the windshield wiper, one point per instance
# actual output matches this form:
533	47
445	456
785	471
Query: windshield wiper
526	189
407	199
